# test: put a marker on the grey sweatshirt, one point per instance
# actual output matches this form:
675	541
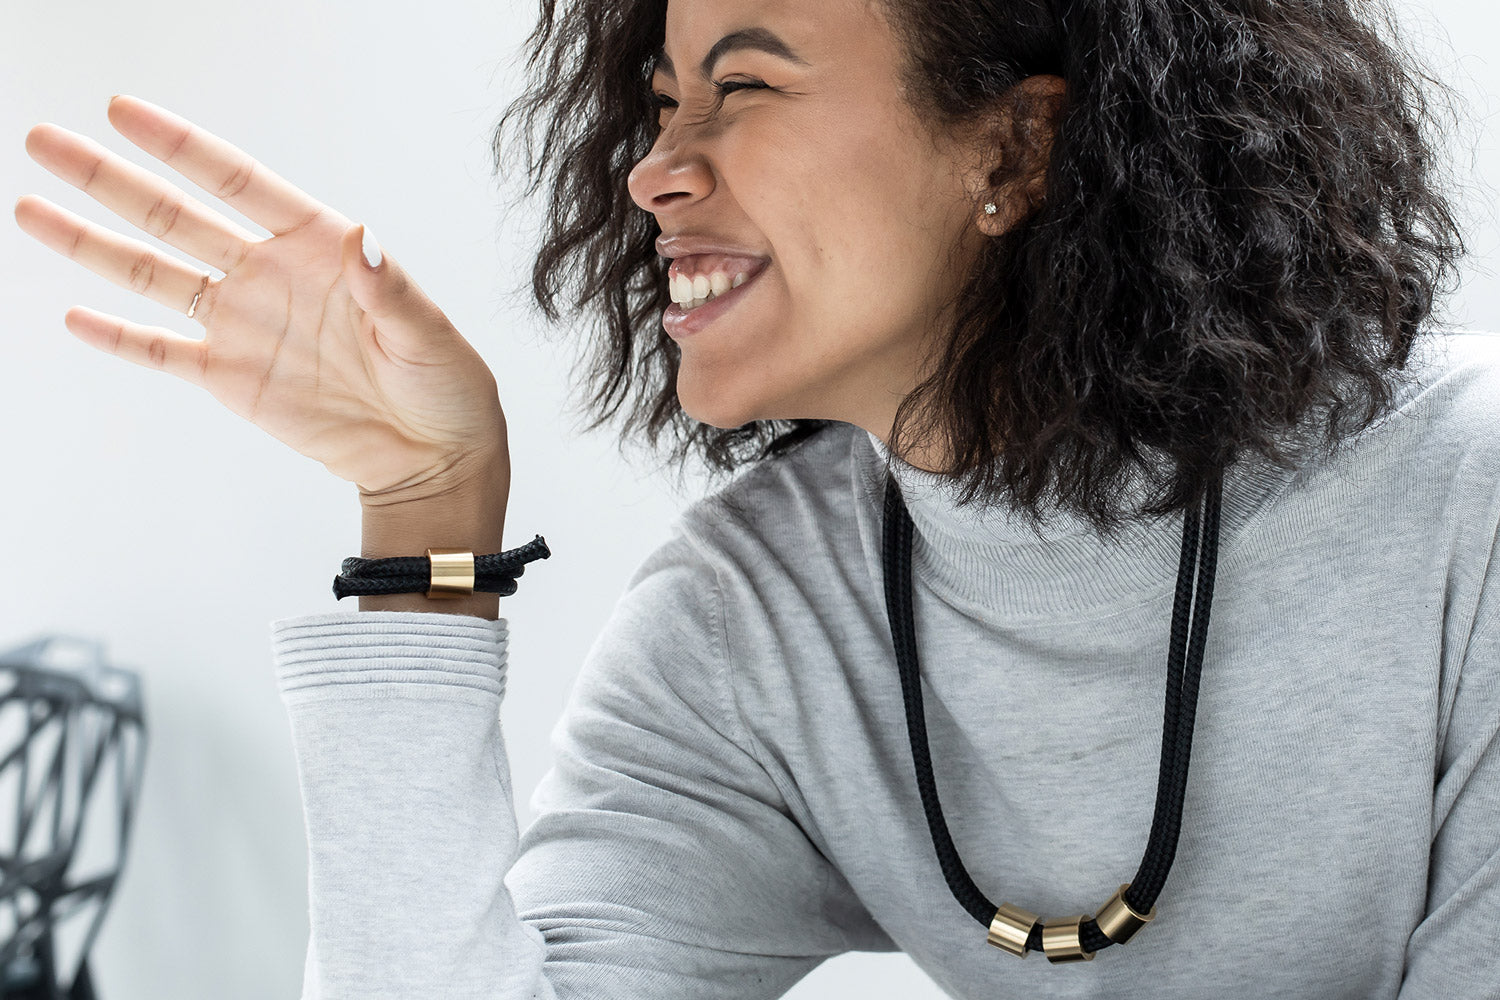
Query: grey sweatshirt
734	800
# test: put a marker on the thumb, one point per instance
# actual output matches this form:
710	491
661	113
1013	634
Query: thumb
404	314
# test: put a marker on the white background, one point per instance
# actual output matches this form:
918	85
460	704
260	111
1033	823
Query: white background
141	514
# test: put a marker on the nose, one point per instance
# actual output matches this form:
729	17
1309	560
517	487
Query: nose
669	177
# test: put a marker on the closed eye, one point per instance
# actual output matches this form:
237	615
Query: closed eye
722	89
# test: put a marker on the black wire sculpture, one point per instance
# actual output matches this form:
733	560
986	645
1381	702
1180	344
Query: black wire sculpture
66	719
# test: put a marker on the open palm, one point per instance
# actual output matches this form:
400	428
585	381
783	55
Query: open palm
353	367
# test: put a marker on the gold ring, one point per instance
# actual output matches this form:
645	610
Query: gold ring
201	288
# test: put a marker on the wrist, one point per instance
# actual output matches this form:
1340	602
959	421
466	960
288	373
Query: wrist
471	516
460	521
478	471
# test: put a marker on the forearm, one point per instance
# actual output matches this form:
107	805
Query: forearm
472	518
411	827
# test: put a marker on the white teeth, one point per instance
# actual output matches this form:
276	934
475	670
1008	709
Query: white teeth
690	293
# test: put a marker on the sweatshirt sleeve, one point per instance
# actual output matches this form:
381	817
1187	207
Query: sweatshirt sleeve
406	797
1451	953
663	862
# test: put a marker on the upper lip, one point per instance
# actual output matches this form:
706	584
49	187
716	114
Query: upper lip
688	244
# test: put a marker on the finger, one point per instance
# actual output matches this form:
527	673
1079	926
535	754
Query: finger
127	262
410	323
147	346
216	166
140	197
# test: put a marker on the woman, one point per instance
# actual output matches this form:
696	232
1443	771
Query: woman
1038	334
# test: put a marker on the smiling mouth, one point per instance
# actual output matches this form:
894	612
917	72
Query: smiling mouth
681	320
692	291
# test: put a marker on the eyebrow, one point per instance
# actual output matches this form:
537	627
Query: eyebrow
758	39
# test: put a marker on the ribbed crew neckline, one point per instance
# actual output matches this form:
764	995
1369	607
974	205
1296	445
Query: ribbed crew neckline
992	563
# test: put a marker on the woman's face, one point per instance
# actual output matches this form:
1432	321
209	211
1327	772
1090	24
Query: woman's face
830	178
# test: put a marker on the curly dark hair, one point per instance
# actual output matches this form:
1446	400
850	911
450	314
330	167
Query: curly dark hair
1242	234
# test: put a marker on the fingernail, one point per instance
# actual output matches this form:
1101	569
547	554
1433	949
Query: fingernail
371	250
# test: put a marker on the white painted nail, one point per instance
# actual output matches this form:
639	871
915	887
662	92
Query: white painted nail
370	249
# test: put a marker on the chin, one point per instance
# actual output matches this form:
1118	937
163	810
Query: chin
738	393
716	407
718	416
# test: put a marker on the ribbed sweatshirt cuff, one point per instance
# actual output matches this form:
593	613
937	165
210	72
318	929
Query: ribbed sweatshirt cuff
344	653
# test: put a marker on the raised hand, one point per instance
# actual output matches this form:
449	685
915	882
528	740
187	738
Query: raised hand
352	366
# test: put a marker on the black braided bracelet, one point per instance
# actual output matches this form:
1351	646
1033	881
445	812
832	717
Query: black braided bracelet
492	574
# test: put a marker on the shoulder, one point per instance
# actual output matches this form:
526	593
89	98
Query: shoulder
784	516
1444	421
736	549
1456	361
1454	375
788	501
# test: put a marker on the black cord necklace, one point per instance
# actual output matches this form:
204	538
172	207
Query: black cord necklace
1075	938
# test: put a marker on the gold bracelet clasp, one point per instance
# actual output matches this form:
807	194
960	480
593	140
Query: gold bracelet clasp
452	572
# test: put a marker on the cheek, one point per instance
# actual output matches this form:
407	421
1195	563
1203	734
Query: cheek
877	227
858	239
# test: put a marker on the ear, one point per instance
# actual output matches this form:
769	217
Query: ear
1021	130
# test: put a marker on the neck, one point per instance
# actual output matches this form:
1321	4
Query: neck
926	455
